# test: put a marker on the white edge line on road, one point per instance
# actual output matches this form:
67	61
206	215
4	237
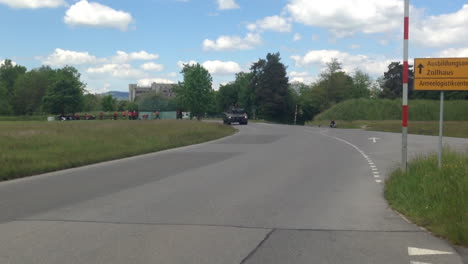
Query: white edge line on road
372	166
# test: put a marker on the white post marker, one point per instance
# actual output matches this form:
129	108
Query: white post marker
404	139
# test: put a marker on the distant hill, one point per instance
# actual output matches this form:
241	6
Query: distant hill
118	95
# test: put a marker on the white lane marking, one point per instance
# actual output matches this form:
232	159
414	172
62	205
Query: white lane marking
374	139
373	167
417	262
422	251
378	181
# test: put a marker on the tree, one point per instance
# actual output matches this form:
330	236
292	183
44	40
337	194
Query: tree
228	95
66	93
5	107
109	103
271	88
30	88
195	93
337	85
361	85
122	105
246	95
9	73
392	81
91	102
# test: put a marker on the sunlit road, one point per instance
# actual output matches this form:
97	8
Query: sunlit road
269	194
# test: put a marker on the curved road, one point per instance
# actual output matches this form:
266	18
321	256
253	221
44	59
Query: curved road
269	194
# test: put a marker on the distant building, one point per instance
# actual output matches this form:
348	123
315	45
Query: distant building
164	88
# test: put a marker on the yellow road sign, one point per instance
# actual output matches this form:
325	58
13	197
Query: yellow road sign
441	74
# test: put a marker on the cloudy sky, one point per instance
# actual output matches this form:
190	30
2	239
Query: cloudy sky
117	42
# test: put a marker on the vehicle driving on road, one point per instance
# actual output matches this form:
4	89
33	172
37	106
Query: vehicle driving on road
235	115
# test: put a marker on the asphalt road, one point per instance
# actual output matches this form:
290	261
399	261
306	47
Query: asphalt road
269	194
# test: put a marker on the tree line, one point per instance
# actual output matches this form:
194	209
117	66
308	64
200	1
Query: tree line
265	92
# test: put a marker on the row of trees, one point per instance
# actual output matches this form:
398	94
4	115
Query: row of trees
48	90
52	91
264	92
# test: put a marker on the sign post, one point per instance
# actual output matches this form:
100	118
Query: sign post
404	130
441	74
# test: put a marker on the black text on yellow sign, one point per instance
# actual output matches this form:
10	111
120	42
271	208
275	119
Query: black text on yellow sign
441	74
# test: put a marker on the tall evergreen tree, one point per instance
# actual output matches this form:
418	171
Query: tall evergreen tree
271	88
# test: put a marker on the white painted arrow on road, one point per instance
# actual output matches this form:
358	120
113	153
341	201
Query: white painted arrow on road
374	139
422	251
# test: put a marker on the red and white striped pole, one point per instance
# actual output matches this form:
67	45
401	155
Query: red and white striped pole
404	150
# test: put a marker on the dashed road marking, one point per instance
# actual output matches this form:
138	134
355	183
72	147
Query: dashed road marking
374	168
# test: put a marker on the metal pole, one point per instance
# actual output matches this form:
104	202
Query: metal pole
441	127
404	140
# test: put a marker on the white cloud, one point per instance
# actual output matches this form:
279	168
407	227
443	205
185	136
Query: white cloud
315	37
123	56
182	63
302	77
217	67
33	4
355	46
172	74
297	37
233	42
151	66
123	71
84	13
62	57
346	17
271	23
227	4
375	66
441	30
454	53
149	81
99	90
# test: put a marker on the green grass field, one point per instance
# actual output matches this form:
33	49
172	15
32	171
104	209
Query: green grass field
430	128
29	148
433	198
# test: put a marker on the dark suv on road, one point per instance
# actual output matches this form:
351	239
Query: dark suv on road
235	115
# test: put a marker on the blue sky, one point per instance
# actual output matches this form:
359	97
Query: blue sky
114	43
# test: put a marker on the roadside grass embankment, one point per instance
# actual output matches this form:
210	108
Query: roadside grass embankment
429	128
385	115
434	198
29	148
384	109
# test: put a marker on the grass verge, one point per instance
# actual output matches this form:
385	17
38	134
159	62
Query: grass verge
29	148
432	198
431	128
